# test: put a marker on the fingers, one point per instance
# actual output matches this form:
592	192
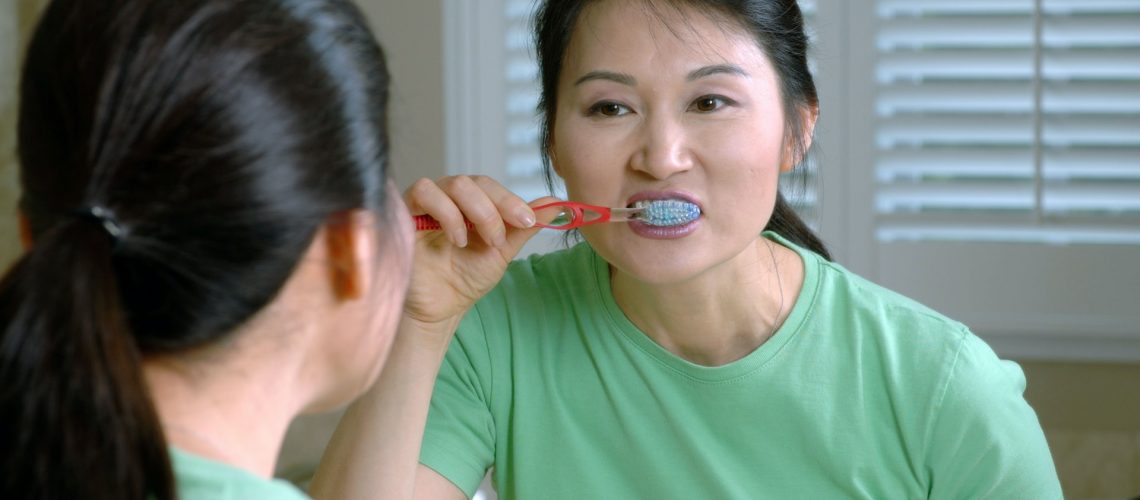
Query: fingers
488	205
426	197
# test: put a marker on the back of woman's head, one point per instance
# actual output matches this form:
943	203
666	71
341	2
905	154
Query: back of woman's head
776	25
177	159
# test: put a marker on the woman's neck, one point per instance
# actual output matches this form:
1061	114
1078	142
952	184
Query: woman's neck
237	415
721	315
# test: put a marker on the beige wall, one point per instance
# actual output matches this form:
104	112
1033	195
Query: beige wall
16	22
411	32
412	35
1091	416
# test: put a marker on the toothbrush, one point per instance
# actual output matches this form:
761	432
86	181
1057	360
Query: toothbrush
572	215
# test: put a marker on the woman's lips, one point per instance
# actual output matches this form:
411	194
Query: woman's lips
663	232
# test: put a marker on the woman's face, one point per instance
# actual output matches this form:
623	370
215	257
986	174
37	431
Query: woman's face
660	103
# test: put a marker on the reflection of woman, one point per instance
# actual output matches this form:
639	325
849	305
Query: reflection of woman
216	248
711	360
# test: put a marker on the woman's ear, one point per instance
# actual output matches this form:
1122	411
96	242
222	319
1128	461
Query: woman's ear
348	241
25	230
553	158
792	157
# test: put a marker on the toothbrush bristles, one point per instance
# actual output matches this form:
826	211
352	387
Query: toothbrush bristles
667	212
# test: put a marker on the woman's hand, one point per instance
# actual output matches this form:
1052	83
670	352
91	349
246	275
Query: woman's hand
454	266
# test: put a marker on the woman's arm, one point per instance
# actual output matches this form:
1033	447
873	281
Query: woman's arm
986	441
374	452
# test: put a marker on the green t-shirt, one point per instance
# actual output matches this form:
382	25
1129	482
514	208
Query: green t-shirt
204	479
861	393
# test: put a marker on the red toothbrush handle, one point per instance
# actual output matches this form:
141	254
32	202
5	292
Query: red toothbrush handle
581	214
428	223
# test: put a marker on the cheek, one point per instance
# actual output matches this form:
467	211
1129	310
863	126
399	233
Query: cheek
586	161
742	164
743	158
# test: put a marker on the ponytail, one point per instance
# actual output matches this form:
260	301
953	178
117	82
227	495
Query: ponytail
76	418
787	223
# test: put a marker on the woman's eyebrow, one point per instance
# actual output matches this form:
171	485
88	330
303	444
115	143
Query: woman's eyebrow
624	79
717	69
621	78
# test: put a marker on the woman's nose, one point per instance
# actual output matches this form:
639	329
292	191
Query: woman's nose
664	150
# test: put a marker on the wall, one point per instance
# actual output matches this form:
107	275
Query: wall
1091	416
17	18
412	36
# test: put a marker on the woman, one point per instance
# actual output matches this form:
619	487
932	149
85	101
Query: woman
214	245
723	358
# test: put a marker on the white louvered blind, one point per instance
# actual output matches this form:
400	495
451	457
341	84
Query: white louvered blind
1007	169
523	162
1009	121
521	141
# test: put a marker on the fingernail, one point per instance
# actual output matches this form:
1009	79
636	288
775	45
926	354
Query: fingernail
459	237
500	239
526	216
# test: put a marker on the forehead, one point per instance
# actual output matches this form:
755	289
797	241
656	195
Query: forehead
658	36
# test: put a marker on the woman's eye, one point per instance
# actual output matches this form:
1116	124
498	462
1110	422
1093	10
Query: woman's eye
608	109
708	103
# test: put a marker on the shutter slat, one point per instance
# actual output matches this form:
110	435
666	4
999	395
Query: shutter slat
959	162
946	32
964	65
1100	198
1055	235
1096	65
1092	97
945	129
894	8
960	97
1094	6
1119	164
1091	130
954	196
1096	31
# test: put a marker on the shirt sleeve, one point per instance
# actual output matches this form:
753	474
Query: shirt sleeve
459	440
985	439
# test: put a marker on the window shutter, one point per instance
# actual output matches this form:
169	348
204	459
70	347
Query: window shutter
1007	168
1009	120
523	159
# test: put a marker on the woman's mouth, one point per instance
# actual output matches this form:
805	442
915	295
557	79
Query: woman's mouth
666	215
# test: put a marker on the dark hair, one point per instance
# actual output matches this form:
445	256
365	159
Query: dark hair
778	27
177	159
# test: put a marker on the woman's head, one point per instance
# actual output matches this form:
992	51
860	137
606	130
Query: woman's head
217	138
652	62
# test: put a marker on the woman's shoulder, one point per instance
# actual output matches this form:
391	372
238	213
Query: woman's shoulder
866	296
834	292
855	311
200	478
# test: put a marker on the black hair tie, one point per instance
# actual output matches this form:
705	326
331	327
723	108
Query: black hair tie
105	218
